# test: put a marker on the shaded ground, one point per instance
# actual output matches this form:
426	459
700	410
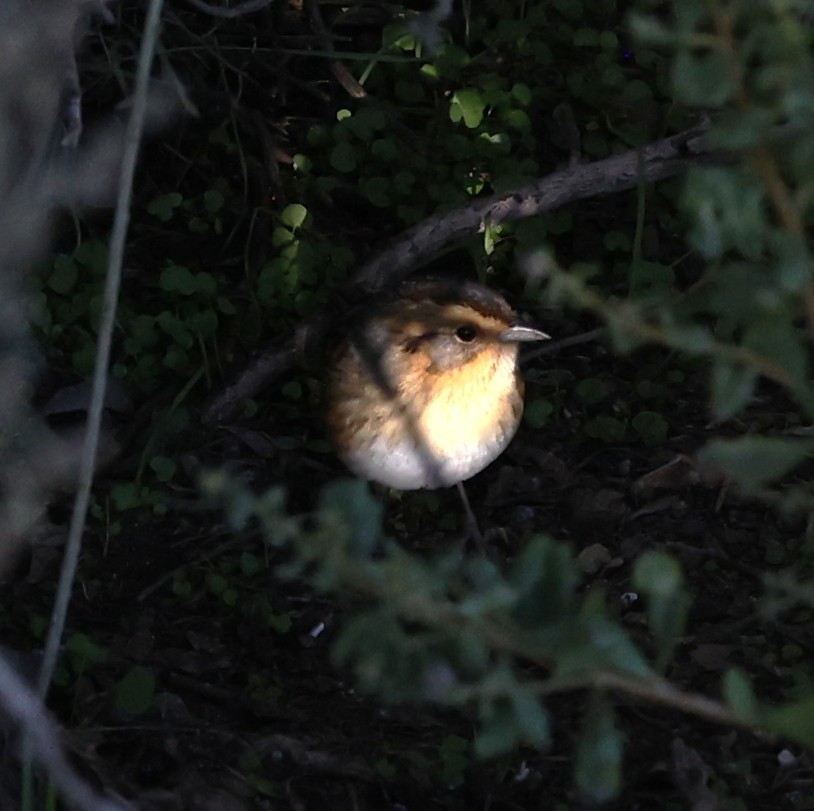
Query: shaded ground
251	714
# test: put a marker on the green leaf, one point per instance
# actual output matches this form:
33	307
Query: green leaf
703	78
175	358
593	641
510	713
544	578
204	322
225	306
659	577
249	564
282	236
178	278
404	181
606	428
522	94
740	696
216	583
348	506
181	586
280	623
498	732
385	148
135	691
532	719
344	157
613	77
450	60
365	121
126	496
598	766
793	260
795	721
213	200
574	10
302	163
732	387
518	119
650	277
538	411
294	215
773	335
376	190
728	210
755	461
658	574
592	390
84	652
142	329
164	206
739	129
176	329
617	241
585	38
608	40
651	426
688	337
84	359
454	758
318	135
163	467
467	104
64	275
636	91
93	255
205	284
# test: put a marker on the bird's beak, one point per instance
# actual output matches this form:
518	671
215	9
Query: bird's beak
518	334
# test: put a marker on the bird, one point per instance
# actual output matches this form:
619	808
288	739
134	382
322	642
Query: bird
425	389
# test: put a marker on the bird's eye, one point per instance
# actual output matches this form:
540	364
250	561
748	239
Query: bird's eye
466	333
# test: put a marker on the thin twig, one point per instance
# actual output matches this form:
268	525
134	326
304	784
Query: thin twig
249	7
43	737
418	606
340	72
73	546
657	161
557	346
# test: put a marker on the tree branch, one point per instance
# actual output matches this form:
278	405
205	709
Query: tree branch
249	7
654	162
43	736
657	161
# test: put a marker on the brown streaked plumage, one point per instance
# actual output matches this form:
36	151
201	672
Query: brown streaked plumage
426	392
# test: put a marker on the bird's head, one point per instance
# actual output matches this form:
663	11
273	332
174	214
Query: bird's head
441	327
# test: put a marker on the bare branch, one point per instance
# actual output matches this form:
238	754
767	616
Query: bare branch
266	367
132	141
249	7
43	736
656	161
340	72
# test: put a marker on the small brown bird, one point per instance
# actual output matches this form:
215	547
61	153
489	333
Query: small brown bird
426	392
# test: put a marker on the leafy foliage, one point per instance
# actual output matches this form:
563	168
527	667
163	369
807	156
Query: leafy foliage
716	269
455	631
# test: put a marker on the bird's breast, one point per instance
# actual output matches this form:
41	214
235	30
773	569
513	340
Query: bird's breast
444	432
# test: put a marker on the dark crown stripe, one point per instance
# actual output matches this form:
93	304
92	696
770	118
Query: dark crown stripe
453	291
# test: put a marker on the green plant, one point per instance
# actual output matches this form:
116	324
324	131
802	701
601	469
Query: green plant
455	631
